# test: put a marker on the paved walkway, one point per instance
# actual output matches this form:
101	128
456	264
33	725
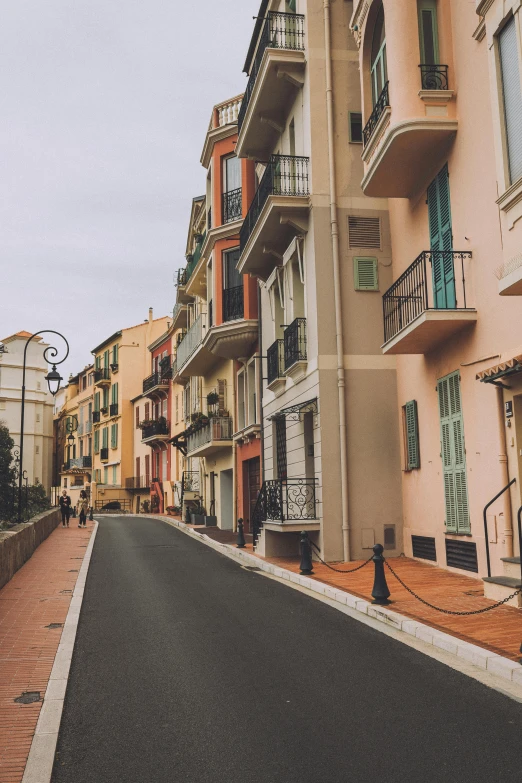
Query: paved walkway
38	596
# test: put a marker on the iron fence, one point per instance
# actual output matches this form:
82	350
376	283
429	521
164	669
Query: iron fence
233	303
383	101
434	77
295	342
232	205
275	361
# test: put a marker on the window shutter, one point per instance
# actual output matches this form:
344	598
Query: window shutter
137	466
222	389
97	401
441	238
137	416
453	455
366	274
105	438
106	358
105	397
96	441
364	231
147	467
412	435
146	411
510	69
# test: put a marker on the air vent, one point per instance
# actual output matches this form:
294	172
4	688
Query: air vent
366	274
364	231
461	554
424	547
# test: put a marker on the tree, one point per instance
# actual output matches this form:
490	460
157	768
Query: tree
37	501
7	474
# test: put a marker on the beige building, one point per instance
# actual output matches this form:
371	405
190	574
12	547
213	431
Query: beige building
322	252
73	436
38	424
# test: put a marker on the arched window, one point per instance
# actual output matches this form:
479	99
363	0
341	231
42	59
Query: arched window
378	62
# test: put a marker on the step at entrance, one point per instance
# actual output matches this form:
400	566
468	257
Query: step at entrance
496	588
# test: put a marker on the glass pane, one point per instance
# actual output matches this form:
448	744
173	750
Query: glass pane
231	277
232	174
428	37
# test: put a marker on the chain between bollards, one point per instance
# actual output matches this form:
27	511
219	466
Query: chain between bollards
240	534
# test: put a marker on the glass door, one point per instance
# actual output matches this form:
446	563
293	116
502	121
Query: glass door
379	71
428	35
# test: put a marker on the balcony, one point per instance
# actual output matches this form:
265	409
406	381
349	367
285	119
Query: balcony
275	366
155	383
234	336
428	303
278	212
212	437
232	205
190	481
192	358
405	145
294	340
102	376
158	429
286	504
137	482
95	417
78	462
276	74
113	409
104	454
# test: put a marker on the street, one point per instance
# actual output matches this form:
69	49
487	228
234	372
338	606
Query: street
188	667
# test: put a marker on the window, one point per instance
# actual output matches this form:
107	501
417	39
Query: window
428	34
37	449
89	447
356	127
114	354
280	447
241	417
65	483
105	397
411	435
114	394
252	396
84	383
231	174
365	274
379	71
137	466
510	72
97	362
290	6
177	408
114	474
97	402
106	475
453	454
147	411
106	359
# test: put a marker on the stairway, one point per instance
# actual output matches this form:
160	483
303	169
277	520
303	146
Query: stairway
496	588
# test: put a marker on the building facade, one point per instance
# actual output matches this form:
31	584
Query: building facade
73	436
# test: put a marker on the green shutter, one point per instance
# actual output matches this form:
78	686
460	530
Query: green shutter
97	363
114	436
365	273
115	354
106	358
105	397
428	33
96	441
412	435
453	454
114	393
105	438
97	401
441	238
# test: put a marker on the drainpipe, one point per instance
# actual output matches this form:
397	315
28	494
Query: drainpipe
337	287
260	376
234	451
502	458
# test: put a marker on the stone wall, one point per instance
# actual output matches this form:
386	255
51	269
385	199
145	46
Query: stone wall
18	544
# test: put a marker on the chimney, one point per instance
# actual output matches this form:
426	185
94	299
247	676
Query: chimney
150	315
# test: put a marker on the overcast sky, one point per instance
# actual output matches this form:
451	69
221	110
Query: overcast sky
103	111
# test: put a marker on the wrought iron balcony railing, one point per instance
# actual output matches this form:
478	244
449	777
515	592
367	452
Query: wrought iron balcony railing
166	368
279	31
434	77
383	101
295	342
418	289
102	374
190	342
218	428
137	482
284	500
233	303
156	379
78	462
275	361
158	427
285	175
113	409
190	481
95	417
232	205
104	454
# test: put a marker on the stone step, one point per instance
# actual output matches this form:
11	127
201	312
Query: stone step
511	567
496	588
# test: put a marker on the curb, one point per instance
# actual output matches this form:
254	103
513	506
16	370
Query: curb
495	664
40	761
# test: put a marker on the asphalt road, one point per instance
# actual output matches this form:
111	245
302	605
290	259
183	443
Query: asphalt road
188	667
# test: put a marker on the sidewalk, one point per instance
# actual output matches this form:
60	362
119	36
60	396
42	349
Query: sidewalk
38	596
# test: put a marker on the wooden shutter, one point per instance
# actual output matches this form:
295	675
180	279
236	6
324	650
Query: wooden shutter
147	469
510	69
366	275
453	454
97	401
137	466
105	438
412	435
147	408
137	416
114	393
222	393
106	358
96	441
441	238
105	396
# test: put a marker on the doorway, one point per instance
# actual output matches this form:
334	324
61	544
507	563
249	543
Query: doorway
253	485
226	498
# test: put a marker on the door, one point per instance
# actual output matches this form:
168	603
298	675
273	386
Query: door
441	239
253	476
226	499
280	434
453	454
428	34
308	428
379	70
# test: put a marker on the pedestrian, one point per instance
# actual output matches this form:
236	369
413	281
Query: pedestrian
65	508
84	508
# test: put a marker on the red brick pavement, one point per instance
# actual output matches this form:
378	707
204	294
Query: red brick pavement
38	594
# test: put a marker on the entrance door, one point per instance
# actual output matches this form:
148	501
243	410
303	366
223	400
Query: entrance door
453	454
253	485
280	433
441	238
226	498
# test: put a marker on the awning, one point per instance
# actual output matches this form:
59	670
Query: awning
501	370
293	412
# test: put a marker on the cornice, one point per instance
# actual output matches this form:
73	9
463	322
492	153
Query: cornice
213	136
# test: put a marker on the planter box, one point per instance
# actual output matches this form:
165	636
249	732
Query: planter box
210	521
197	519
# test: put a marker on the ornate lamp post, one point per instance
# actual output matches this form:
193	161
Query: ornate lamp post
53	379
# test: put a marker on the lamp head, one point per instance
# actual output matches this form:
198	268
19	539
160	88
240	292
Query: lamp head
53	379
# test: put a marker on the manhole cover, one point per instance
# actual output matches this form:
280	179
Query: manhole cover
54	625
28	697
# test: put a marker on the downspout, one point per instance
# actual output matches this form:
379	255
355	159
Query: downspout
502	458
343	444
260	377
234	450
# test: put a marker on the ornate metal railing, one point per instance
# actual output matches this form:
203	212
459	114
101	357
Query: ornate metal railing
78	462
190	342
279	31
233	303
102	374
158	427
156	379
275	361
137	482
190	481
232	205
218	428
285	175
284	500
434	77
295	342
413	292
113	409
383	101
95	417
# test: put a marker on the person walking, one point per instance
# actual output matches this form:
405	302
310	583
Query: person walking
83	504
65	508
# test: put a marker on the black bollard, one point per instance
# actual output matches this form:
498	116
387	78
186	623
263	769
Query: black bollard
90	515
74	512
380	590
240	534
306	554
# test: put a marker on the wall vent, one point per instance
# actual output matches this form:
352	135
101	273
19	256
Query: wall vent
461	554
424	547
364	231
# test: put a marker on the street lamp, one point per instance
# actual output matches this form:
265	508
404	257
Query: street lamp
53	379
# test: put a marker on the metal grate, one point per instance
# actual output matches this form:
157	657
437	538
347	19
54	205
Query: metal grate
364	231
461	554
424	547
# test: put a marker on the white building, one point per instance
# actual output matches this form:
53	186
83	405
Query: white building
38	425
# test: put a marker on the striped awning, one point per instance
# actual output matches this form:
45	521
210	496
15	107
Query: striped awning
501	370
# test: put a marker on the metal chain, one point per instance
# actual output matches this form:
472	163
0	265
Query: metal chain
449	611
339	570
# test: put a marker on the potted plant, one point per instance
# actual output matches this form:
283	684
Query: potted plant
145	506
198	514
212	399
154	502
